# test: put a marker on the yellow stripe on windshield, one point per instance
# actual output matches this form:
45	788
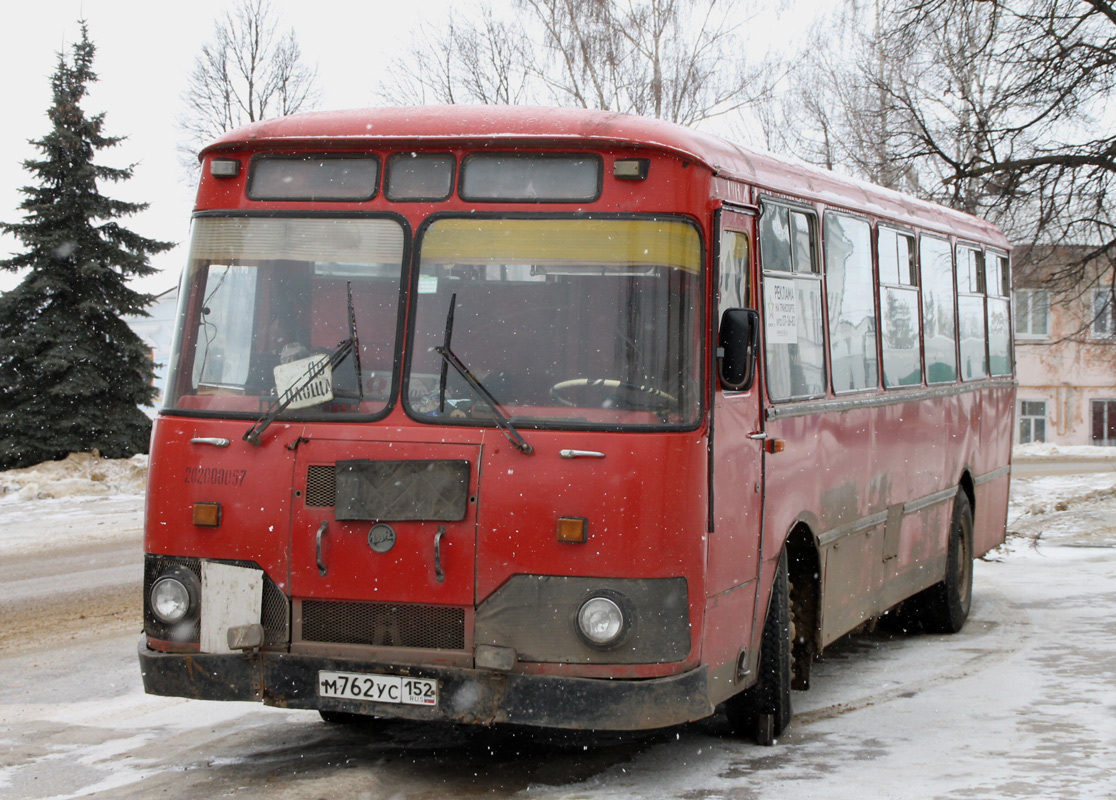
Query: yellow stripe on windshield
568	242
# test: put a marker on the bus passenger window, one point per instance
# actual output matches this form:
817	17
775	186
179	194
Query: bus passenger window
792	300
939	334
998	282
852	303
899	325
971	313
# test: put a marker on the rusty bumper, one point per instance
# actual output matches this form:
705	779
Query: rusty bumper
465	695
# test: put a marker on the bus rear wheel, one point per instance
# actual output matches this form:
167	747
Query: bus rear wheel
944	607
764	710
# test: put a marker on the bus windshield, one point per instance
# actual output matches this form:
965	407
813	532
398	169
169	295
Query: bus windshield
261	293
561	321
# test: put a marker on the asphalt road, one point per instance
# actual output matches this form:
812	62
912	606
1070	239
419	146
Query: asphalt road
56	594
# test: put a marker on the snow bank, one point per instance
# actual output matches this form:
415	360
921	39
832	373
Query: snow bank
77	475
1037	451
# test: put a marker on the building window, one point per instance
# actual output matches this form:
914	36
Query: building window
1032	313
1104	314
1104	422
1032	421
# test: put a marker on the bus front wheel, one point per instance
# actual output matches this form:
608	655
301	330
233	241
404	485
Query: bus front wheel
345	718
764	710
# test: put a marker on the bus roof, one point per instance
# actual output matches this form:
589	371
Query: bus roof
508	126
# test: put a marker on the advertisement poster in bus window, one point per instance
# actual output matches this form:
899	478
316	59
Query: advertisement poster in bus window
780	311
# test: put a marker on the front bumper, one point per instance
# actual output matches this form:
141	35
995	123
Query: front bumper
465	695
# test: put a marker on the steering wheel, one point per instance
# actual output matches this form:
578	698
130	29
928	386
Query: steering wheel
626	395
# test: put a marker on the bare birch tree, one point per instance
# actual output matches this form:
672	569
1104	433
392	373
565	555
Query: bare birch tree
681	60
1016	117
479	59
249	71
996	107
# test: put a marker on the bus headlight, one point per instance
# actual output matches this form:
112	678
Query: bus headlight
601	621
170	600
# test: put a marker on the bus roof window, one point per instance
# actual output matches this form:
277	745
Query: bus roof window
535	178
329	177
419	176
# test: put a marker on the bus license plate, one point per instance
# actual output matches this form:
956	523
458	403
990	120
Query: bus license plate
378	688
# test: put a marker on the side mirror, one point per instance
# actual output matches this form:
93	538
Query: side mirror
737	344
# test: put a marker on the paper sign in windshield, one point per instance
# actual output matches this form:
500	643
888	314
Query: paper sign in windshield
305	382
780	311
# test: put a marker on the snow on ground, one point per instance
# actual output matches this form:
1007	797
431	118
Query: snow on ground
78	475
1076	509
80	498
1046	450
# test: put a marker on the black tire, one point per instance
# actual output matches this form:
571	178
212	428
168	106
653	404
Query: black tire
344	718
764	710
944	607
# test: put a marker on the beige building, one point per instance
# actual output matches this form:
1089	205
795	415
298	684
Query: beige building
1065	350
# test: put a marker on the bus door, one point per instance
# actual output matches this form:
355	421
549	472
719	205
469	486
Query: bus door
382	522
736	468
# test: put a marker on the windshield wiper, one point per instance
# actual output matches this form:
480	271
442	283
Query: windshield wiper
499	417
347	347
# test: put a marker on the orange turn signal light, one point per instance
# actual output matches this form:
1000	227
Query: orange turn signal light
573	530
207	515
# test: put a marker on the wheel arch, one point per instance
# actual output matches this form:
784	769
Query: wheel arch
804	572
968	486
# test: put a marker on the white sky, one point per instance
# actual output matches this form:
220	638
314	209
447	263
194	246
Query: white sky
145	51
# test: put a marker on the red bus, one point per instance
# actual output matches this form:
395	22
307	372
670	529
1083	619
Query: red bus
561	418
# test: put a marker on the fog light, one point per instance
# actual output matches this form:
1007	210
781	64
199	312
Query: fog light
170	600
601	621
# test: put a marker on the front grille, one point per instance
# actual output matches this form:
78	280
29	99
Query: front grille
321	485
384	624
274	616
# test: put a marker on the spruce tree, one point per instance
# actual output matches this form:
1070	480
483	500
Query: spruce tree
72	372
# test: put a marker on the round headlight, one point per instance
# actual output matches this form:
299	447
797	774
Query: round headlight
170	600
601	620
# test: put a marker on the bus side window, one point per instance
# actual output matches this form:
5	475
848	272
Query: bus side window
899	306
733	291
971	314
794	347
938	319
998	284
852	303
